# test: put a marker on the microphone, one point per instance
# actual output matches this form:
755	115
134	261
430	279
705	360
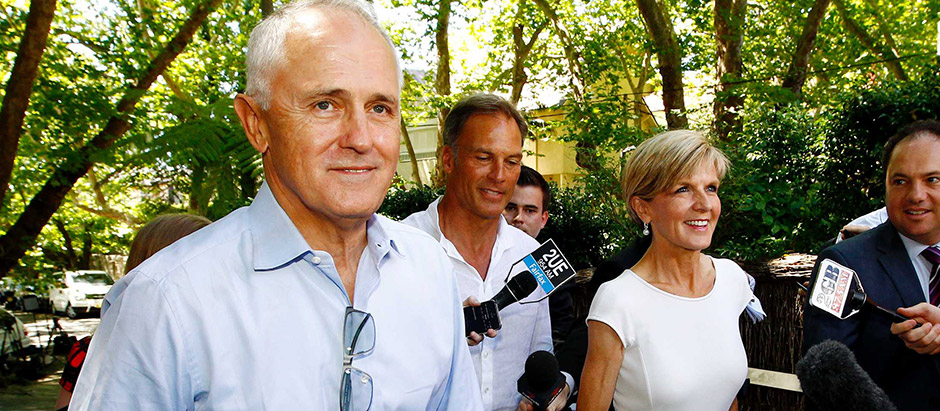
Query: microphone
516	288
832	380
542	380
486	315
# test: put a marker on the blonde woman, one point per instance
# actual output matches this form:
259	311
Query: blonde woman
664	334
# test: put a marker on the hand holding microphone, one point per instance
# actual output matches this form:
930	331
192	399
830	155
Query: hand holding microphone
484	317
922	332
474	338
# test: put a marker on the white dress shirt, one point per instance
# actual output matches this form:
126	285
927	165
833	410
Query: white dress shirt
243	315
526	328
921	266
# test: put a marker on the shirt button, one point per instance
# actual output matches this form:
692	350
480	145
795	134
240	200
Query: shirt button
315	260
486	354
379	245
486	390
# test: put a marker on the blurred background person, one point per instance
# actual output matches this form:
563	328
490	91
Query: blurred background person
152	237
664	334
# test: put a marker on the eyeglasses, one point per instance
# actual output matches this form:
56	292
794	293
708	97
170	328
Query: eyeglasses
355	392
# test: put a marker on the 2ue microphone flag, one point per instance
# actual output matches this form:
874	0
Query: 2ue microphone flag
549	266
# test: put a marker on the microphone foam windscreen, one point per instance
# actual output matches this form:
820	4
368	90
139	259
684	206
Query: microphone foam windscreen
832	380
541	369
522	285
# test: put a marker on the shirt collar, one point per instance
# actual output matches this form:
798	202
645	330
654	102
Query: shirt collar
277	242
913	248
380	242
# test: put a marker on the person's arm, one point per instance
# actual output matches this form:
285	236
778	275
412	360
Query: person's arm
924	339
599	378
734	405
137	359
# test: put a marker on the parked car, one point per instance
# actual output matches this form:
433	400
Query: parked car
79	292
13	334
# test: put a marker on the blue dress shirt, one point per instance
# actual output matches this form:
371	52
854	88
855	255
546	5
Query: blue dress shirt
243	315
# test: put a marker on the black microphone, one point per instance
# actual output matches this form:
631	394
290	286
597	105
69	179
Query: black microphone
542	381
486	315
516	288
832	380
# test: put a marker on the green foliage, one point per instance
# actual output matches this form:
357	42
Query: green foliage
402	202
800	174
587	226
770	197
852	179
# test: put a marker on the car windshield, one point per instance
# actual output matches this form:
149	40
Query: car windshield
93	279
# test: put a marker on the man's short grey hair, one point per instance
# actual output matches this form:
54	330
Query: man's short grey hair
479	104
266	43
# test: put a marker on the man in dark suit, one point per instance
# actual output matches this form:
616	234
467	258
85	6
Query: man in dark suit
898	268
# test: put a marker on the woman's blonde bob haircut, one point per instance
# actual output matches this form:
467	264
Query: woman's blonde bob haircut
663	160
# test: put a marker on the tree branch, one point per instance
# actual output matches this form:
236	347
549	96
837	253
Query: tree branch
20	85
796	73
22	235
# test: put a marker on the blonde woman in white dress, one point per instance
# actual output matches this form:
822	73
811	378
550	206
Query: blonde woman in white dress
664	334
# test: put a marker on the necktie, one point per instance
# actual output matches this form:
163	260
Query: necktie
932	254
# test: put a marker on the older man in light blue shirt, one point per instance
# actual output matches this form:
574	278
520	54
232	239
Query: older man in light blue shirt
306	299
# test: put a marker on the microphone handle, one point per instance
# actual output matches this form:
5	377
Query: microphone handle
897	317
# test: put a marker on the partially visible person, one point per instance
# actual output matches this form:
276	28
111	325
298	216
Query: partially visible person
152	237
664	334
528	211
572	352
305	299
925	339
897	263
482	154
863	224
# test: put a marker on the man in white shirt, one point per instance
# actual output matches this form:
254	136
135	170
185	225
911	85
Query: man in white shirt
306	299
481	157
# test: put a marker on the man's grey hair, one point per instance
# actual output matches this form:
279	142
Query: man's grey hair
266	43
479	104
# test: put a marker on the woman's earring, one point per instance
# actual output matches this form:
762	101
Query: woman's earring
646	228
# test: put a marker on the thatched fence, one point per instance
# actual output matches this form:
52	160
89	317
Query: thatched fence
775	344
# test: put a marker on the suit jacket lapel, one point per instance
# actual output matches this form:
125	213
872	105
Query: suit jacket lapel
897	264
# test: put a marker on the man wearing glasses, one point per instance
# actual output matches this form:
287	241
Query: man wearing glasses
482	157
306	299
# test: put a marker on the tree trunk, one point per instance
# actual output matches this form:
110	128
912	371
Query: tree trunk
442	83
889	57
84	262
415	174
68	256
198	201
571	56
521	49
267	7
729	35
22	235
670	60
20	85
796	73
